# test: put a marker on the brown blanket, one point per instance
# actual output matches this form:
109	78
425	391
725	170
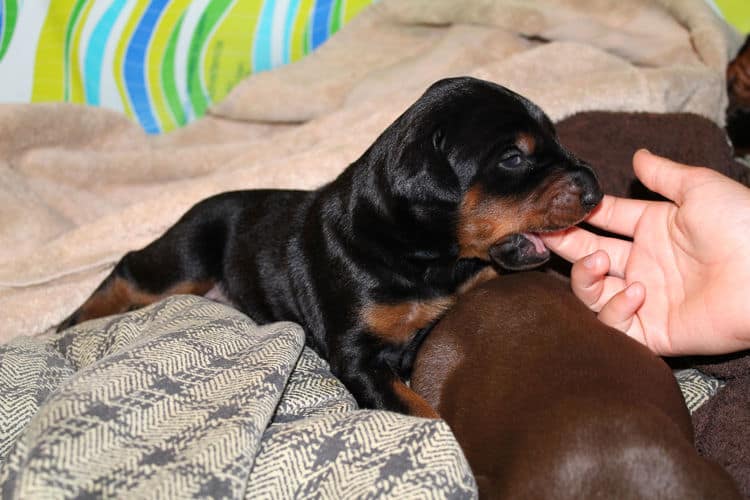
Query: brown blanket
79	187
722	425
608	140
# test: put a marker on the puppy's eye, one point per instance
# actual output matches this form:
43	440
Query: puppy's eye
512	159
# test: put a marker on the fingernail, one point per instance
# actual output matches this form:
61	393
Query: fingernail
588	262
632	291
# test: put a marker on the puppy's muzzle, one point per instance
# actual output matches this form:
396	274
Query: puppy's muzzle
584	182
565	202
569	198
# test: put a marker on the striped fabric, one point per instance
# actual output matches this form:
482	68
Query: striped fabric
162	62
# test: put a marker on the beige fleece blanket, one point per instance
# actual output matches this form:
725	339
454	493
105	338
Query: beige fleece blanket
79	187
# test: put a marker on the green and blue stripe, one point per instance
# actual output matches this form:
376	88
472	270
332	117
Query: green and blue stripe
162	62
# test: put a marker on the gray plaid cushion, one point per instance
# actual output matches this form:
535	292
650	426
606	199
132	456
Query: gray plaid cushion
362	454
312	391
175	406
189	398
29	371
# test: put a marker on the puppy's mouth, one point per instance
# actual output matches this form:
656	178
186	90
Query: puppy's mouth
519	251
526	250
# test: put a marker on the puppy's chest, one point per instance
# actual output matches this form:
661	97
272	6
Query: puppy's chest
395	322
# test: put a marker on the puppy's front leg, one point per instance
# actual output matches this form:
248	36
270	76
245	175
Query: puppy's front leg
371	356
375	385
366	363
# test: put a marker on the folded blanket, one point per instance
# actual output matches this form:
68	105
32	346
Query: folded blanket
189	398
80	186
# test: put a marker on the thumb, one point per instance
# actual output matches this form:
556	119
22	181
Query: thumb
661	175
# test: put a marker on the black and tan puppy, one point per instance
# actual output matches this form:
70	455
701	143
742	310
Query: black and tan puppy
366	262
548	402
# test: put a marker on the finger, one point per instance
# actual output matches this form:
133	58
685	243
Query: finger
590	283
662	175
617	215
587	278
575	243
620	311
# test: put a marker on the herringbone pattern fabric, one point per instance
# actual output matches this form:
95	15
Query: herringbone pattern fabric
312	391
29	371
696	387
362	454
175	408
178	399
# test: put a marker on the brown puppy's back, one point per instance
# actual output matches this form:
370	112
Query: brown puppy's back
548	402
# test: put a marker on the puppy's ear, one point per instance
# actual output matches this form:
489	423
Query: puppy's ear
438	140
420	168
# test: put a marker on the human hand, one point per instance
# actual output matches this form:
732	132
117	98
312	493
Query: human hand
681	286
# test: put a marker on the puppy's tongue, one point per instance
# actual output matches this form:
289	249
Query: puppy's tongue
537	241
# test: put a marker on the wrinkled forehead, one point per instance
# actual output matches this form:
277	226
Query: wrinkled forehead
469	110
500	115
518	104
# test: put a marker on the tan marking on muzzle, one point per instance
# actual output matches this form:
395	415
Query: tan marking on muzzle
483	220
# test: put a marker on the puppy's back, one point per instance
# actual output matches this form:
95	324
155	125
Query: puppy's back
547	401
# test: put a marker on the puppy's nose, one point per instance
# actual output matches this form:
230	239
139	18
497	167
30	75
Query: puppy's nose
591	193
590	199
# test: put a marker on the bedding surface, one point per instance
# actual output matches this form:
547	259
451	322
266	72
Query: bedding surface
189	398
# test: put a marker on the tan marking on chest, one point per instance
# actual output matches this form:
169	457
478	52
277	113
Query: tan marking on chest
397	323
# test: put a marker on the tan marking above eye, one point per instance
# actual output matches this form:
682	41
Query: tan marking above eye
526	143
396	323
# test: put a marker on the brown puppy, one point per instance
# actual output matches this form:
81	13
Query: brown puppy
548	402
